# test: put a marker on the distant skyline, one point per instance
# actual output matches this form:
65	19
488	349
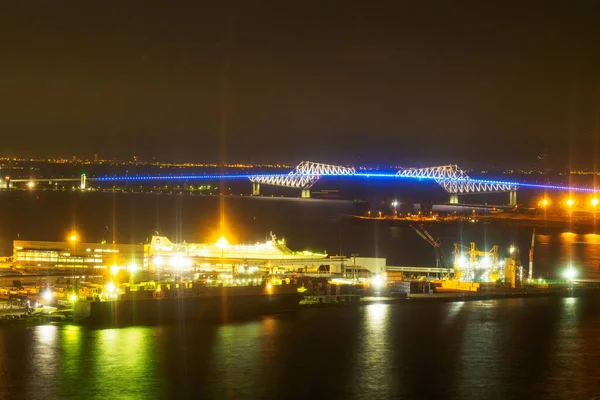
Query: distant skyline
541	165
474	83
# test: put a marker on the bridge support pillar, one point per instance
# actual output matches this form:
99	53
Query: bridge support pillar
453	199
82	183
512	198
255	189
305	194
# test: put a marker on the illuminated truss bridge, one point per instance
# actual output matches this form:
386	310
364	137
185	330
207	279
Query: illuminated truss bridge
303	177
454	180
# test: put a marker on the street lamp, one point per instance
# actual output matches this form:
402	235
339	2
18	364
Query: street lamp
570	202
73	238
47	296
114	270
354	267
131	268
222	244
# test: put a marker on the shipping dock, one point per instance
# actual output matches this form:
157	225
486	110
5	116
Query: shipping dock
162	281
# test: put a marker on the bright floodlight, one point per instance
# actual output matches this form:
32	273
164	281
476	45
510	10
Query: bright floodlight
594	202
394	203
73	238
110	287
132	267
570	202
222	242
544	202
377	281
47	295
31	185
178	262
114	270
570	273
486	261
512	249
73	298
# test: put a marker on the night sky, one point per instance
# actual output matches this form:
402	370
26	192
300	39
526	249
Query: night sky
352	81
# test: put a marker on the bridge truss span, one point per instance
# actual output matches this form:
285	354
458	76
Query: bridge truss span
303	177
455	181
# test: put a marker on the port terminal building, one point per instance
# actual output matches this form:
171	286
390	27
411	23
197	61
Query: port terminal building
52	255
162	255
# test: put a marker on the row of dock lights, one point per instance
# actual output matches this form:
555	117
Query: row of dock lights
570	202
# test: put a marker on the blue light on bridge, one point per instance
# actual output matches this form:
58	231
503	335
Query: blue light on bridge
366	175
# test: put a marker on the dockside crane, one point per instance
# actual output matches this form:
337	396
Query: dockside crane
440	256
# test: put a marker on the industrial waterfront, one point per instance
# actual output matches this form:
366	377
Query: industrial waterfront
378	335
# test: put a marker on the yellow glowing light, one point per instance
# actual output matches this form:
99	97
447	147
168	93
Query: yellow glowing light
222	242
570	202
31	185
73	297
132	267
544	202
73	238
110	287
594	202
114	270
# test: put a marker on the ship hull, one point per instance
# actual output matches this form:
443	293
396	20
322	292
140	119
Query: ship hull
216	308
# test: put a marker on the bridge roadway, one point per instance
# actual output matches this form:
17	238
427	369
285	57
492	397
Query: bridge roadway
32	182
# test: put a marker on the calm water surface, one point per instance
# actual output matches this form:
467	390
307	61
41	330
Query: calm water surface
514	348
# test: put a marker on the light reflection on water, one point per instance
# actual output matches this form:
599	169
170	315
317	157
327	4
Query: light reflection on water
513	348
554	253
44	360
371	372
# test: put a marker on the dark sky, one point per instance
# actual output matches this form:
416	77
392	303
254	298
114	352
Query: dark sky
351	81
